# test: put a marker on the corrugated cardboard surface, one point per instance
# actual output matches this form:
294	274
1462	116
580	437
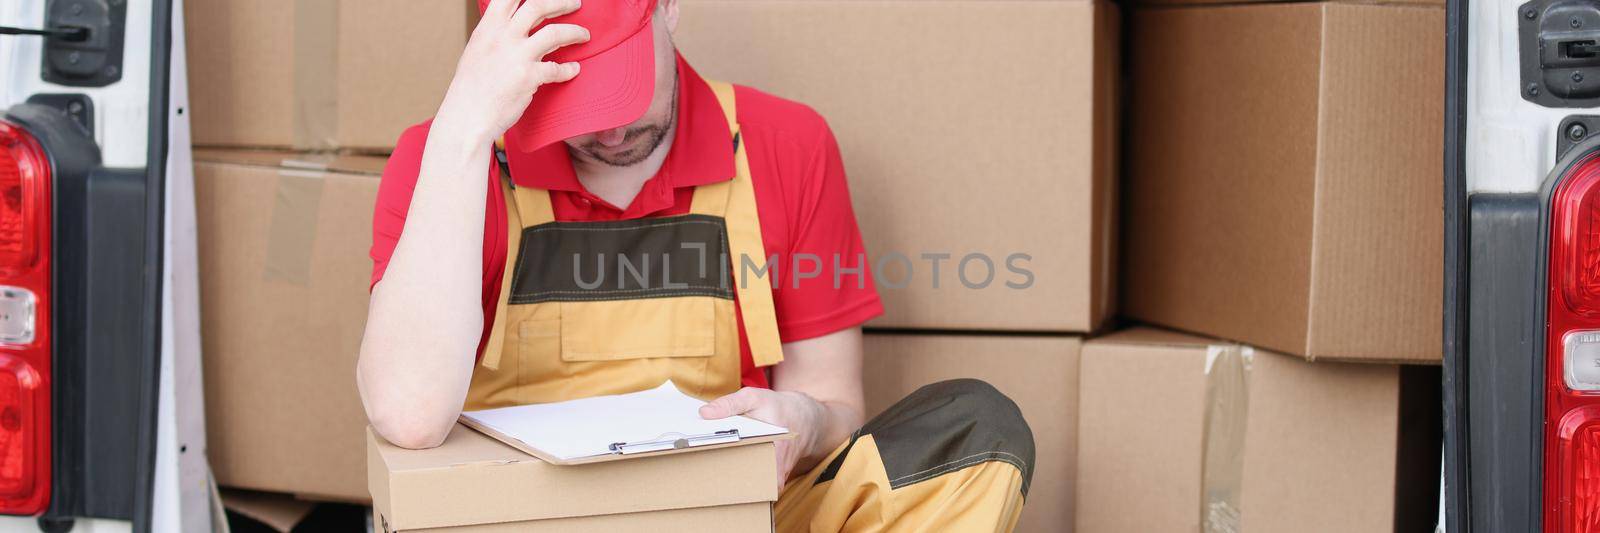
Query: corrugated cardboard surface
281	512
1039	373
1377	269
1288	196
368	167
1321	453
241	83
319	74
951	147
283	288
473	479
396	58
1140	424
739	518
1319	449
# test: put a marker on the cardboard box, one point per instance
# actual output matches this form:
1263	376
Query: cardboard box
1038	372
1289	196
951	147
274	511
319	74
283	294
1292	446
475	483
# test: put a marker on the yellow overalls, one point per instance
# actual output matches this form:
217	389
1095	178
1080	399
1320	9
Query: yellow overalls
596	308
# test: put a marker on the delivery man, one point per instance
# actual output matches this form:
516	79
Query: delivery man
586	215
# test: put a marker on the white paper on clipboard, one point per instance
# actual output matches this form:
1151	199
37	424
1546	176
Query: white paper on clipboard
662	418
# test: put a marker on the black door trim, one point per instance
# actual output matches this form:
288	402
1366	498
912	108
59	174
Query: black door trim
155	209
1456	269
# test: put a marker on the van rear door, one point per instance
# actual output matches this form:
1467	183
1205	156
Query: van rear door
1522	260
101	420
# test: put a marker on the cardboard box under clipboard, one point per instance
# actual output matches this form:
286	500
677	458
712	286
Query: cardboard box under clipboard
475	483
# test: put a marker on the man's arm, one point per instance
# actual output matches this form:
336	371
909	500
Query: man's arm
816	394
827	369
817	390
425	318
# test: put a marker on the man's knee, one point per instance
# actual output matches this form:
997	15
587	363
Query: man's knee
977	400
950	425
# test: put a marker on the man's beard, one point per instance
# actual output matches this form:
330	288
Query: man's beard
654	135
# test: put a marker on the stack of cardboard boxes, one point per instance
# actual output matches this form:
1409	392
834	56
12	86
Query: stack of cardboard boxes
1279	201
979	139
294	105
1283	192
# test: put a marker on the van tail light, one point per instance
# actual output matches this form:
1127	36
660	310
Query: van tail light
1572	351
25	343
1577	470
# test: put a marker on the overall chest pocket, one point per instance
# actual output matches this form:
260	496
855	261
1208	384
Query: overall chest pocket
683	326
627	289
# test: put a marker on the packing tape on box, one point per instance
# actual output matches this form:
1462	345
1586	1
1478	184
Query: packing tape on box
293	230
316	74
1222	449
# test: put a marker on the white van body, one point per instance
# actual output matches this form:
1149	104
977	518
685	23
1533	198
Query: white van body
182	496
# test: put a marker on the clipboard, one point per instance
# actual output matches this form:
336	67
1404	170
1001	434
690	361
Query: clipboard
618	456
659	421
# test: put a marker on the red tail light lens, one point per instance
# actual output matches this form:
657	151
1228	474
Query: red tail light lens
25	350
19	394
23	169
1578	470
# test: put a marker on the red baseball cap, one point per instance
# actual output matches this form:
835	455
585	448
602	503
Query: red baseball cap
615	81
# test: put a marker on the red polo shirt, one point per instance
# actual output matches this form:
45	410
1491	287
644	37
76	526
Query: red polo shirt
801	196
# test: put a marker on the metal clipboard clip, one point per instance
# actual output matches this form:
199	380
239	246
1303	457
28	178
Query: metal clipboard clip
675	441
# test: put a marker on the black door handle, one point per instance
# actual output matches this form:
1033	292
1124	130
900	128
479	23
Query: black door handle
65	33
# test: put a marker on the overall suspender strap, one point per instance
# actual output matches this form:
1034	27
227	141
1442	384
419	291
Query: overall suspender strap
744	242
711	199
497	331
534	206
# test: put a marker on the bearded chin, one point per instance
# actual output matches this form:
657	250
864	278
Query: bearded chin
653	136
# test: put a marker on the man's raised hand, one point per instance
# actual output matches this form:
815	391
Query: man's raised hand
503	66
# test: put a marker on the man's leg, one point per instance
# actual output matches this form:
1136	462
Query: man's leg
952	456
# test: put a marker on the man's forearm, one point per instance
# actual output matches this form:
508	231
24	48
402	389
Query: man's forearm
425	317
840	420
826	371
